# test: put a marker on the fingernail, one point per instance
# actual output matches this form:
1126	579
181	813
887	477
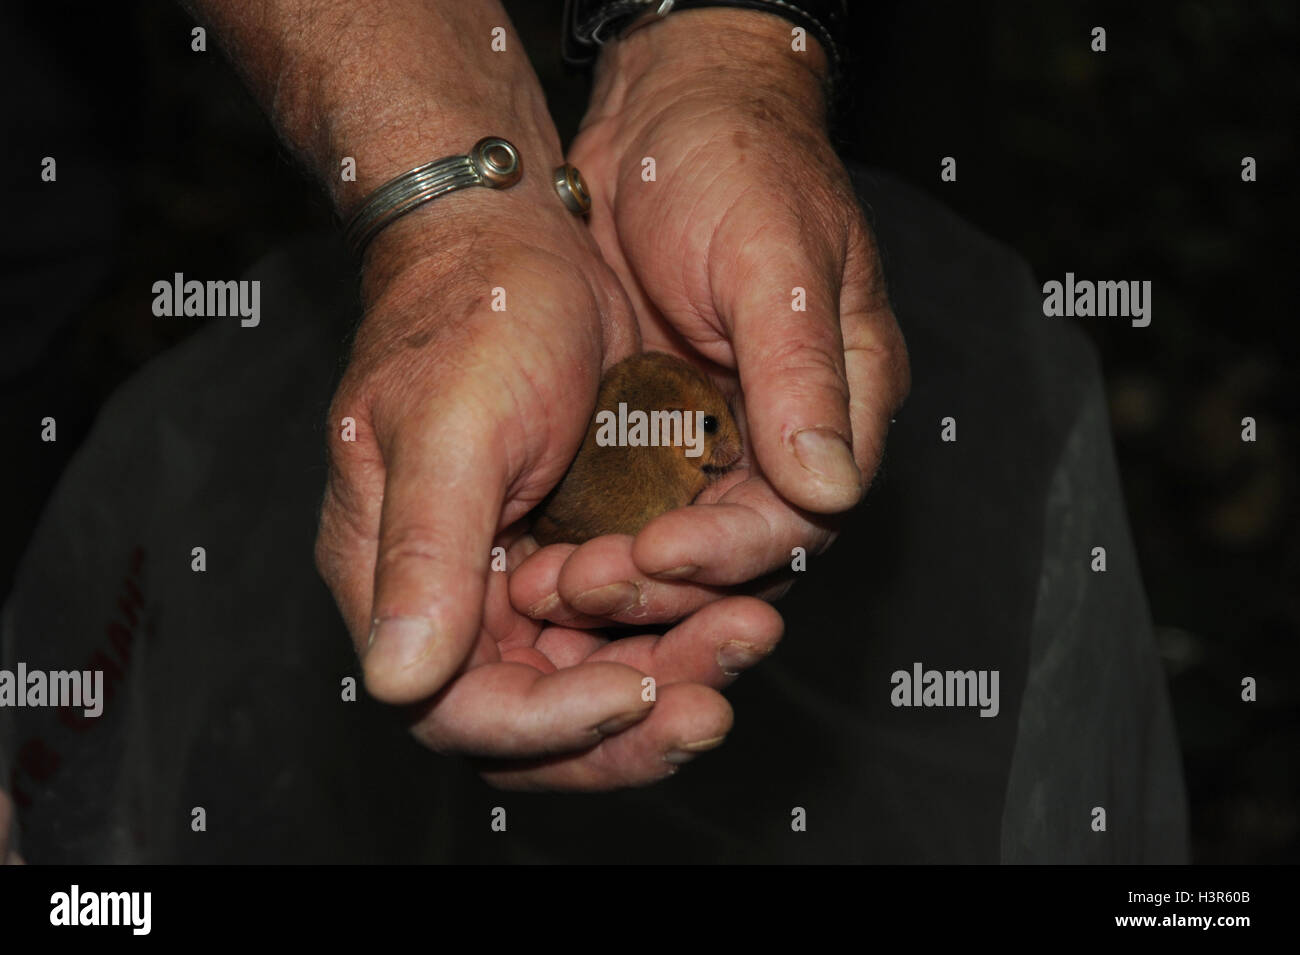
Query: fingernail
616	724
544	606
688	751
735	656
676	573
608	600
826	455
402	641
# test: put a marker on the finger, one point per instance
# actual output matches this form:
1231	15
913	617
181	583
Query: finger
506	628
512	710
600	580
791	364
442	501
687	720
566	647
598	583
710	647
534	588
751	532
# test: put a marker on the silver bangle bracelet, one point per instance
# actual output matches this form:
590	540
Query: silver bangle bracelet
493	162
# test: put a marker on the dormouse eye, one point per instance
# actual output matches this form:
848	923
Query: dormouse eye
710	424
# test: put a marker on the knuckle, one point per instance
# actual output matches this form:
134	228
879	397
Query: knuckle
803	360
412	544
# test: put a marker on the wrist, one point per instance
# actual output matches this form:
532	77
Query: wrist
403	132
709	50
412	81
458	229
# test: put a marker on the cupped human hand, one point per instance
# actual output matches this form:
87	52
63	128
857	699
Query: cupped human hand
732	223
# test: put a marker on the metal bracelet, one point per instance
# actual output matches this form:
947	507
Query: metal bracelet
493	162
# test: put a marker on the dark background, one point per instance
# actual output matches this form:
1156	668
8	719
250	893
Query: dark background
1122	165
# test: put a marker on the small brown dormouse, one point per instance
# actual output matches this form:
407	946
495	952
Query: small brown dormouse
661	433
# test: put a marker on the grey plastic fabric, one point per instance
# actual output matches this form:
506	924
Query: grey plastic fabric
1122	743
971	554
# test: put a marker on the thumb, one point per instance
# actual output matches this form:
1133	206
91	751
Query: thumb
783	309
443	494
